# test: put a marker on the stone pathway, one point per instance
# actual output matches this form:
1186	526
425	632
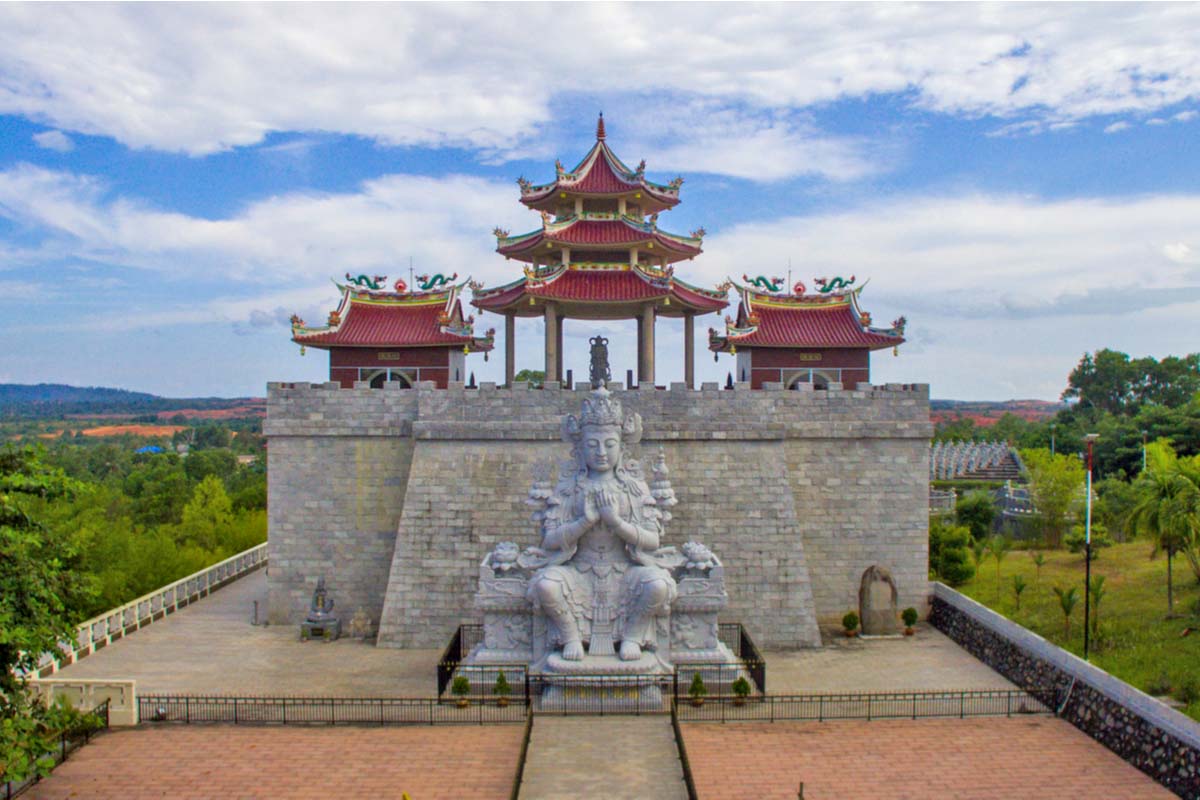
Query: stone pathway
949	759
199	762
210	647
616	758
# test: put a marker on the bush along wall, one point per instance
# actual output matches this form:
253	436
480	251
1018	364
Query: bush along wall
1156	739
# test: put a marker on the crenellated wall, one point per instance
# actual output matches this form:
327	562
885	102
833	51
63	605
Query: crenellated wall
395	495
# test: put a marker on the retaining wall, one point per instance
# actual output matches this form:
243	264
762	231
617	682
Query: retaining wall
1153	737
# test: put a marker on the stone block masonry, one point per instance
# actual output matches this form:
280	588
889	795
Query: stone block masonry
396	495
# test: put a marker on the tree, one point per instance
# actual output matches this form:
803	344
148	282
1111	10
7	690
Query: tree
1039	559
948	553
208	515
1018	586
1104	381
1097	592
41	591
998	547
534	377
1168	508
1055	486
977	511
202	463
1066	601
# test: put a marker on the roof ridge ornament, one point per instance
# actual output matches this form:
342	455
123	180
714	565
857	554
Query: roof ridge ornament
600	134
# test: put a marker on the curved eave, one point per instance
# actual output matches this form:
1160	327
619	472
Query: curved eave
632	288
560	235
617	180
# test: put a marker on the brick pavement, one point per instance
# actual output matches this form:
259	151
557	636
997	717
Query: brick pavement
216	761
933	759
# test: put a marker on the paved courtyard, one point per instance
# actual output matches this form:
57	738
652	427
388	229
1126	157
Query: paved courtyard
947	759
210	647
220	761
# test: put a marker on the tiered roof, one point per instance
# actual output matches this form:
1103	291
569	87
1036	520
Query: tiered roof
594	218
601	174
833	320
597	288
379	318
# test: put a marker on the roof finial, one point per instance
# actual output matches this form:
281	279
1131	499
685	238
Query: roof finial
600	128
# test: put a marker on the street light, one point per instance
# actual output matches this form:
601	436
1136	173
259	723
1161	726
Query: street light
1053	425
1087	547
1144	434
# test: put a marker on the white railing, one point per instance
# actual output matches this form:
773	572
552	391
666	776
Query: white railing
101	631
85	695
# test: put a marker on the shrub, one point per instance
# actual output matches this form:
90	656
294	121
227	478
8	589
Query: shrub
501	688
740	687
850	621
697	689
1076	539
977	512
910	617
1188	691
460	686
953	565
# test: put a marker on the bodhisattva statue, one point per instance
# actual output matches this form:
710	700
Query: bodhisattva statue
601	575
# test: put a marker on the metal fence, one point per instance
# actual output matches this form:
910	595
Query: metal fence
66	744
465	637
871	706
189	709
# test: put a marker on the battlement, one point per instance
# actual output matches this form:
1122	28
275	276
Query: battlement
525	413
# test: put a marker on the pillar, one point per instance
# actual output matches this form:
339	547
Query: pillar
510	349
558	348
639	351
689	351
551	317
646	350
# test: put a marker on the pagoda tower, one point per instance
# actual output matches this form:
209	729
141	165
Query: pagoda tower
797	337
379	334
599	254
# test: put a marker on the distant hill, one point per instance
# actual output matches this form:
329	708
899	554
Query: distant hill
988	412
56	400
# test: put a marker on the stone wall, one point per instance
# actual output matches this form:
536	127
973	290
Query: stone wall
797	491
1153	737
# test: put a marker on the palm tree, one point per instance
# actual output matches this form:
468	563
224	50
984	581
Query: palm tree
1098	591
1067	600
1168	510
1018	586
1039	558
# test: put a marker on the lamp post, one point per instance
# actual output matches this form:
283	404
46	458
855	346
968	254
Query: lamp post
1087	549
1053	425
1144	433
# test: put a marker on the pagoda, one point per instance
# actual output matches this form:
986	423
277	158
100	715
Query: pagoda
599	254
400	334
798	338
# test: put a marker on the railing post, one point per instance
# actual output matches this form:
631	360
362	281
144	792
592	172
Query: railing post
187	710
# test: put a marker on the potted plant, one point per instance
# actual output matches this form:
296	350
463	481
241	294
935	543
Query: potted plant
850	624
697	690
741	690
502	690
460	687
910	617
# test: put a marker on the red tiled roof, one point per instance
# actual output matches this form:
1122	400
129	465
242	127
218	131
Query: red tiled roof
599	232
602	173
605	286
834	325
374	324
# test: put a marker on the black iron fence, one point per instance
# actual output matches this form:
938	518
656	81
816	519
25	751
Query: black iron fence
870	706
331	710
465	637
68	742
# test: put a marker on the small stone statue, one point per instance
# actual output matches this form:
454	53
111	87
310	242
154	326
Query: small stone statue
320	622
600	372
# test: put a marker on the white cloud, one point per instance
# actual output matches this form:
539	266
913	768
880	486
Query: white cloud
54	140
1179	252
203	78
299	236
1186	116
1117	127
1156	121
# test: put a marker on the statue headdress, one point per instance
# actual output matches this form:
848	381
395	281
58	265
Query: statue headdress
601	408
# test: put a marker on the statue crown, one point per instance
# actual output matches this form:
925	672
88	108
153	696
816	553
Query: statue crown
601	408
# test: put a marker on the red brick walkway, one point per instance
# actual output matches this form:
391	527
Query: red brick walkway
934	759
200	762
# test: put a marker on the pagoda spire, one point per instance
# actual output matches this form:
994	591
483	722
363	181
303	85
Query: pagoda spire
600	128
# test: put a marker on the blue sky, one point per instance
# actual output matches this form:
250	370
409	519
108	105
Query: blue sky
1021	181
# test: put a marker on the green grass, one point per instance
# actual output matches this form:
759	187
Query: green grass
1136	641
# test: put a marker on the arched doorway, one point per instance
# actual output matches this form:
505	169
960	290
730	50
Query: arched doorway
379	377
